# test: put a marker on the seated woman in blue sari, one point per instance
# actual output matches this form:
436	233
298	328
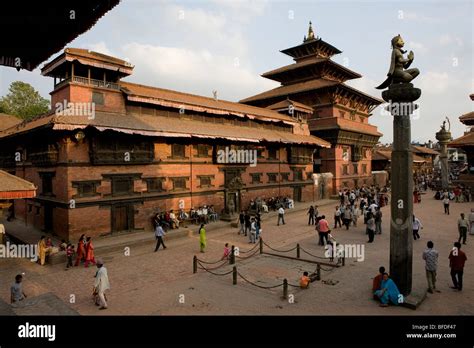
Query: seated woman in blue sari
388	292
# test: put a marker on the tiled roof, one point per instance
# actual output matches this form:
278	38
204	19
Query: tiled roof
7	121
424	150
13	187
291	89
285	104
384	155
162	126
465	140
467	117
308	62
170	98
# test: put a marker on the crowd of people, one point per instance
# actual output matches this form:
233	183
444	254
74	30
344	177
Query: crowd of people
171	220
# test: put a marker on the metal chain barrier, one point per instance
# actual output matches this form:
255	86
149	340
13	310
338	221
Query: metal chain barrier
209	263
259	286
280	251
318	257
247	251
246	257
202	266
217	274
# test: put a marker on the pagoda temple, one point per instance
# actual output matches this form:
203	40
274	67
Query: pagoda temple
314	86
466	143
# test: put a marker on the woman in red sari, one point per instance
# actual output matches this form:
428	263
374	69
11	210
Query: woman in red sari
89	253
81	251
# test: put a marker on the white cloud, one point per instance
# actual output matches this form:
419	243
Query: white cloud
194	71
418	47
447	39
433	82
245	8
415	16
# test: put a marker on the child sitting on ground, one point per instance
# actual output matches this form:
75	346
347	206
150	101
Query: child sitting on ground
304	281
226	252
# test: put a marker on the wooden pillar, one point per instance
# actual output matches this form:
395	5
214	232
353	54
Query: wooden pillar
104	78
89	75
72	70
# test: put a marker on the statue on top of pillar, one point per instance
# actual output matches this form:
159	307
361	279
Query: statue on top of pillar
399	72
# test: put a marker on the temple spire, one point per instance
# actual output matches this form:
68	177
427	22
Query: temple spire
310	33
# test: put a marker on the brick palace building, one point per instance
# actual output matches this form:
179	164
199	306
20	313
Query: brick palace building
143	149
335	111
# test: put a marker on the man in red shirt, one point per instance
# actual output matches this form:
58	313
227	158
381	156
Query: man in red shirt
457	258
323	229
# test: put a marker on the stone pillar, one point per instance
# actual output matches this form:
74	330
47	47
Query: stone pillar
400	98
444	137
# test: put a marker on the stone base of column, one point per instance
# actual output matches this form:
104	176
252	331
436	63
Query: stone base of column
414	300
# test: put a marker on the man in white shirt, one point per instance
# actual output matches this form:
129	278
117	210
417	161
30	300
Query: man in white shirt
446	203
101	284
416	227
281	216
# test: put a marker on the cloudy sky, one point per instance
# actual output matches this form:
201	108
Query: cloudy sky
198	46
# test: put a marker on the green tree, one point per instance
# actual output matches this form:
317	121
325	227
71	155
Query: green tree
23	101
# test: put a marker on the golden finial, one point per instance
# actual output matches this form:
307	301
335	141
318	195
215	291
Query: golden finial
310	32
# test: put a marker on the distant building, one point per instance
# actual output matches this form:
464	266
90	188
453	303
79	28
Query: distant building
336	112
466	143
423	159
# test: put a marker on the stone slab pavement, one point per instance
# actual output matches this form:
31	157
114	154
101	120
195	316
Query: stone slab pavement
149	283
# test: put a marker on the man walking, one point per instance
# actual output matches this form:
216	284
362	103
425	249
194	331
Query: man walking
281	216
101	284
159	233
242	222
457	258
430	255
416	227
378	221
446	203
16	290
311	215
463	225
337	217
323	230
347	216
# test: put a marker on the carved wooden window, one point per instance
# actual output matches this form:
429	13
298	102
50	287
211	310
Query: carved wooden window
86	188
155	184
118	149
203	150
122	185
178	151
205	180
356	168
364	168
345	169
301	155
47	183
179	183
272	177
297	175
285	176
256	178
272	153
